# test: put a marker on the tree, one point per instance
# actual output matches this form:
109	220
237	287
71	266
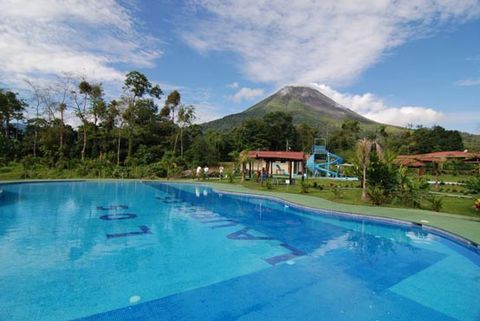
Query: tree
306	136
37	101
243	159
364	148
172	102
345	137
186	114
381	176
251	135
56	99
11	107
437	138
88	100
138	87
279	131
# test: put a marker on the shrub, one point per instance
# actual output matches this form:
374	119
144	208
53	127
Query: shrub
229	175
382	177
473	185
376	195
476	204
337	191
411	190
304	186
268	184
28	166
436	203
156	170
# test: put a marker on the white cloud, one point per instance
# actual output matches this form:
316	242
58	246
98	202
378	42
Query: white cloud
303	41
233	85
372	107
206	112
42	38
468	82
246	94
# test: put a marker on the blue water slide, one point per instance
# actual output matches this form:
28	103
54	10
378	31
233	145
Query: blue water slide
321	161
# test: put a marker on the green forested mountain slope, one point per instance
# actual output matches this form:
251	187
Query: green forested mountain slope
305	104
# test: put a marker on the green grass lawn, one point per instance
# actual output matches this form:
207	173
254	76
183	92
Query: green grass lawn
449	178
453	205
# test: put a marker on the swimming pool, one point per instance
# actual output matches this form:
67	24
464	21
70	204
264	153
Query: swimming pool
154	251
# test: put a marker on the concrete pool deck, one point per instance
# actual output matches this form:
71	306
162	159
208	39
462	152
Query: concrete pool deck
465	226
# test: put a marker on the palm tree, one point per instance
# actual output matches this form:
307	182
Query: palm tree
364	148
243	160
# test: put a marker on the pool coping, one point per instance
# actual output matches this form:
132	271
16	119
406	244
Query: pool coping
457	237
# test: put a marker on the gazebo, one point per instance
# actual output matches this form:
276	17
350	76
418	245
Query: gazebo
295	161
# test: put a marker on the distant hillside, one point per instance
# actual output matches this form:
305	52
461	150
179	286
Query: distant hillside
305	104
471	141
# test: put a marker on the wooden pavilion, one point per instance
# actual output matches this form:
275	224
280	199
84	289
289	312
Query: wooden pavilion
290	162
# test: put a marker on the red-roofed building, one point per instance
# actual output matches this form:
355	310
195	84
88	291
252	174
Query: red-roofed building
421	160
278	162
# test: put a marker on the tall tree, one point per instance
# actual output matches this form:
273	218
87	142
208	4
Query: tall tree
11	107
186	114
172	102
280	131
37	102
364	148
86	97
138	88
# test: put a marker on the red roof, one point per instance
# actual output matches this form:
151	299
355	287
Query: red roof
266	154
414	160
409	162
448	154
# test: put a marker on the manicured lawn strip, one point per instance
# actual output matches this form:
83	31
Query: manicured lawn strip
465	226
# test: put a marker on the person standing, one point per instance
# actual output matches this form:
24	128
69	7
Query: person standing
205	171
199	171
264	175
220	169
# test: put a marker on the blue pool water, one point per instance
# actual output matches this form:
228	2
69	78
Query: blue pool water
153	251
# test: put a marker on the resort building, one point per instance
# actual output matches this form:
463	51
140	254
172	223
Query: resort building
291	164
421	161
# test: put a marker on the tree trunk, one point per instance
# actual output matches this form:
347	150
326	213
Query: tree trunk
84	147
364	183
61	134
181	141
118	148
175	145
129	153
7	122
35	137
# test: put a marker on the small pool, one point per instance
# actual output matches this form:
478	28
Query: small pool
155	251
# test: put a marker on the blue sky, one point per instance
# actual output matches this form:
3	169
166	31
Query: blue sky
399	62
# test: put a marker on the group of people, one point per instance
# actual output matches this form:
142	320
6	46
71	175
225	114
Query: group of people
205	172
261	175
